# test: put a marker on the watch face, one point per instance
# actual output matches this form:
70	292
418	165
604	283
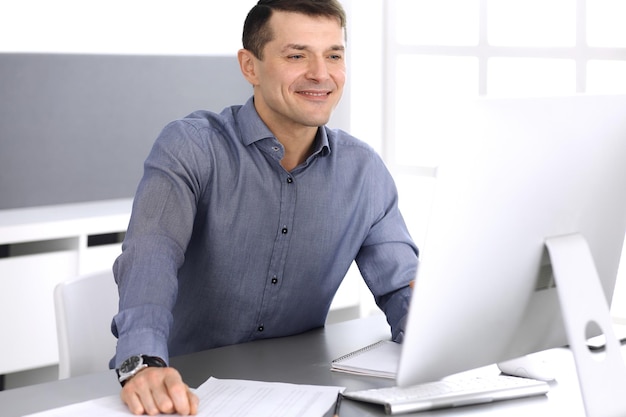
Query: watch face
130	364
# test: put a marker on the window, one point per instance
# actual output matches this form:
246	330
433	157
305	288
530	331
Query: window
462	48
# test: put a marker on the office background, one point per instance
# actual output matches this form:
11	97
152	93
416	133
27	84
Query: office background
402	54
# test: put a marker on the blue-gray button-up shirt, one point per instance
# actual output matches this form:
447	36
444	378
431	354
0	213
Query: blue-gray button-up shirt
225	246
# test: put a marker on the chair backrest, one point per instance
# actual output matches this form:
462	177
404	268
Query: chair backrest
84	308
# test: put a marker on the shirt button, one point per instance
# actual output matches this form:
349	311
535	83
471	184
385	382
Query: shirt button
260	328
274	280
285	230
289	180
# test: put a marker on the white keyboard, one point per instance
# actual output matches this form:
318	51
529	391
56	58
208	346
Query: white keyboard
450	393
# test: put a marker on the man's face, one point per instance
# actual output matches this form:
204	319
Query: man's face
301	77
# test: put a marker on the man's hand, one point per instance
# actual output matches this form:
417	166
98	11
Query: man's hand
159	390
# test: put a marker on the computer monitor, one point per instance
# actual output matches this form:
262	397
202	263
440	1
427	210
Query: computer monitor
516	173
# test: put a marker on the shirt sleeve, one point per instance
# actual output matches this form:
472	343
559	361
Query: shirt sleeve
388	257
154	246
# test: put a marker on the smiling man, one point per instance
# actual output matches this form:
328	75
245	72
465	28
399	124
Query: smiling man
246	222
298	78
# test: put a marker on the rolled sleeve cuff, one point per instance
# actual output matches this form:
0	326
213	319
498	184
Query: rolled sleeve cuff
397	331
142	333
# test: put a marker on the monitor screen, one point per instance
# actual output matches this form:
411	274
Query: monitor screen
517	172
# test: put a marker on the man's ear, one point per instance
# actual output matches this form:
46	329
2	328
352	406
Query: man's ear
247	63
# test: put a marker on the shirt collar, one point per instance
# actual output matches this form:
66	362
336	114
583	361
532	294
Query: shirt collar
250	124
253	129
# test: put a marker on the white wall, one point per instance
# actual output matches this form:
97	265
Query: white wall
122	26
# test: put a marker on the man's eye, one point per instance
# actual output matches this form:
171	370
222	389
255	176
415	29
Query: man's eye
296	57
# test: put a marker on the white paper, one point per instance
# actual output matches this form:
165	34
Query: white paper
231	397
227	398
111	406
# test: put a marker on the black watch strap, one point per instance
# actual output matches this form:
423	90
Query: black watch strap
143	361
154	361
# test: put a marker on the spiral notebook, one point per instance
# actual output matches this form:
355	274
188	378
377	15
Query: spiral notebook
378	359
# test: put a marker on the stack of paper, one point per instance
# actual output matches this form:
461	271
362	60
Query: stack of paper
226	398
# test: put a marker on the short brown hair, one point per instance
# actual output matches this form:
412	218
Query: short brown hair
257	33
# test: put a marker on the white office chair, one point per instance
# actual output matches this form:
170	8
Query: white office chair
84	308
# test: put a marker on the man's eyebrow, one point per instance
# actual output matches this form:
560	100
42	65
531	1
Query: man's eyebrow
300	47
295	46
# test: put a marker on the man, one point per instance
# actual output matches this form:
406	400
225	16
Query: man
246	222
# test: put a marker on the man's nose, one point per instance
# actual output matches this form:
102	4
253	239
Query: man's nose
318	69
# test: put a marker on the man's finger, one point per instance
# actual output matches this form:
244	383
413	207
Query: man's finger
184	401
194	403
132	401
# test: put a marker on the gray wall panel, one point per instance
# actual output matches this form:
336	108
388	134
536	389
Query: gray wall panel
78	127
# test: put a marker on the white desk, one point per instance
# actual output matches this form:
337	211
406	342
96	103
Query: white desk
302	359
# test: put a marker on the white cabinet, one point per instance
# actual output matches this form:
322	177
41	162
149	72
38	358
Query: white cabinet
40	247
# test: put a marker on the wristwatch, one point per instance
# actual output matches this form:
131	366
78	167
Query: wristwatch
136	363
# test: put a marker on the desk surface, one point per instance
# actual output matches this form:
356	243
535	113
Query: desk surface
301	359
